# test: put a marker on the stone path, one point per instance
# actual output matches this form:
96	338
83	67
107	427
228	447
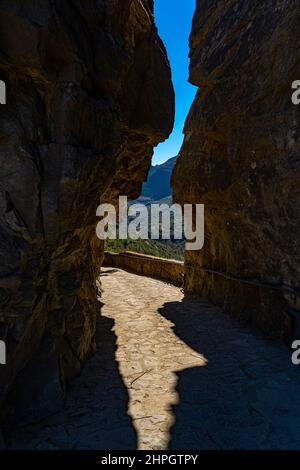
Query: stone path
186	377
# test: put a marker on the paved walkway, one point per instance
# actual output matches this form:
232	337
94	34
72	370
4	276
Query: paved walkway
174	372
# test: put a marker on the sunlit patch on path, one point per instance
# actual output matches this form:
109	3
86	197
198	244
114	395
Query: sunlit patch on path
149	352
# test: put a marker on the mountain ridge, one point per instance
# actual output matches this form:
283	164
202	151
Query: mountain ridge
158	184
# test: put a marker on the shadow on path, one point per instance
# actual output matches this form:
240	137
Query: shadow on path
95	416
234	388
248	394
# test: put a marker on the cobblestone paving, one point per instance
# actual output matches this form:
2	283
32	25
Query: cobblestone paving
186	377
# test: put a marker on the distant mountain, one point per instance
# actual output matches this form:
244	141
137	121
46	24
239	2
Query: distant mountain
157	189
158	185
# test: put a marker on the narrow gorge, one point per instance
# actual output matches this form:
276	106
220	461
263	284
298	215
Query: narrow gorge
89	95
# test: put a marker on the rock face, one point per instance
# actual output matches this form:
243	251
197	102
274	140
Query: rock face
240	156
89	95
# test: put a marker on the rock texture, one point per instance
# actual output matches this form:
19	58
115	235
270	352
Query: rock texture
240	156
89	95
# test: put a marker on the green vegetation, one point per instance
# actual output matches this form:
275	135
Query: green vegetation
162	249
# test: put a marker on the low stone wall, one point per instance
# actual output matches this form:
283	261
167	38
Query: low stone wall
165	269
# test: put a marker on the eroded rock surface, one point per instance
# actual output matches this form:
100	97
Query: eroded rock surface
241	156
89	95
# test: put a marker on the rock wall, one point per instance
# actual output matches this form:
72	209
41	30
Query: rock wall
240	157
167	270
89	95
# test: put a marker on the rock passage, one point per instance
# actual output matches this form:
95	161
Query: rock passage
172	371
89	95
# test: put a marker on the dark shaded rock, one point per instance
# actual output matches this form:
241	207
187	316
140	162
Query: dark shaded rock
37	390
89	95
240	156
2	446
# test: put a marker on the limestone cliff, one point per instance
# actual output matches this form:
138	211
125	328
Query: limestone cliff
240	156
89	95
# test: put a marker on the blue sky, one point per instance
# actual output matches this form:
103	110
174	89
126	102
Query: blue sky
174	19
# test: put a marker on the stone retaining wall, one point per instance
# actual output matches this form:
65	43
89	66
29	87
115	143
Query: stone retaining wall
165	269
